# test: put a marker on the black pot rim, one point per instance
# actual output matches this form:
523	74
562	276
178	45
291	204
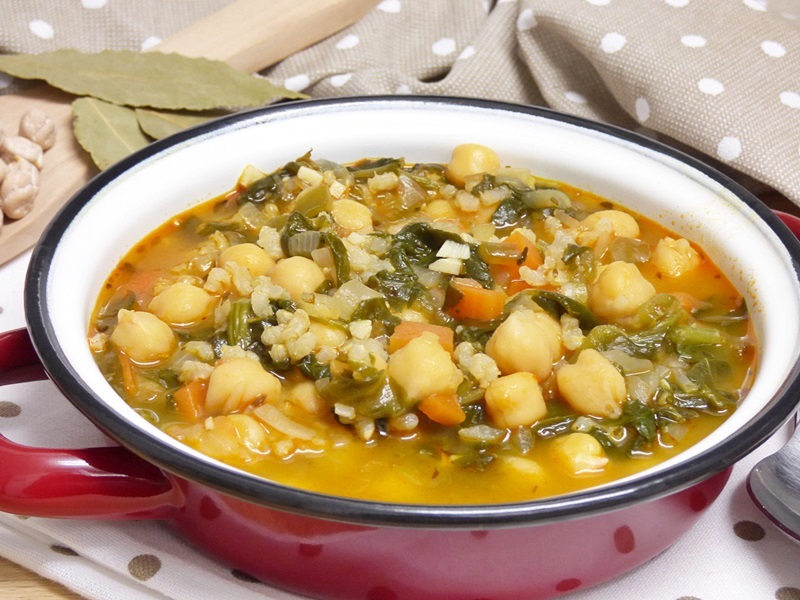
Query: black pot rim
263	492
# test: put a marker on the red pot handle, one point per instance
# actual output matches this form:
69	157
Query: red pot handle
92	483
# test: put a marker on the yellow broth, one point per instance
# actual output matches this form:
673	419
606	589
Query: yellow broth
339	393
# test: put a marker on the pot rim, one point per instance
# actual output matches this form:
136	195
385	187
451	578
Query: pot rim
261	491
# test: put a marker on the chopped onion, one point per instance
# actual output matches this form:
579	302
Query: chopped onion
411	193
323	257
351	294
303	243
630	365
451	249
450	266
274	418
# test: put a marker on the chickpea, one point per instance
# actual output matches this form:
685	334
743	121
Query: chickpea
182	304
304	394
250	432
579	454
327	335
470	159
38	127
526	341
673	257
351	216
622	224
143	336
440	209
618	291
250	256
422	368
297	275
19	147
592	385
19	188
515	400
237	382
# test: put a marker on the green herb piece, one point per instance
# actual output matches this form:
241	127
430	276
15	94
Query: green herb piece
557	304
106	131
341	260
238	330
369	168
313	369
375	309
152	79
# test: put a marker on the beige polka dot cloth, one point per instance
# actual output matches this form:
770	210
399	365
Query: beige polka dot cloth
718	78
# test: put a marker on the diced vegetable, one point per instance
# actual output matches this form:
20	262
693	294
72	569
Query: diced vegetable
190	400
444	409
408	330
467	299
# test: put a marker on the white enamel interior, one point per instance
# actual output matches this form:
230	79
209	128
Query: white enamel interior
657	186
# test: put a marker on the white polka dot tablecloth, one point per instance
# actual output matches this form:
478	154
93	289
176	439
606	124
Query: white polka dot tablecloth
719	79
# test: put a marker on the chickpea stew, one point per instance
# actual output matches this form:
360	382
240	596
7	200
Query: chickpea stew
425	333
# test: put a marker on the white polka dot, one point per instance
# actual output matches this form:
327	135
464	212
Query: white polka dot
773	49
467	52
575	97
790	99
693	41
390	6
599	2
729	148
347	42
444	46
150	42
677	3
612	42
710	86
642	109
526	21
340	80
759	5
94	3
41	29
297	82
402	89
5	80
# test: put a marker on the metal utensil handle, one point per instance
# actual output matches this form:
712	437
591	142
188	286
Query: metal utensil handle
92	483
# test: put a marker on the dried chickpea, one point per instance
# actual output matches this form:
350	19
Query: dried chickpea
19	188
526	341
422	368
143	336
592	385
237	382
38	127
182	304
470	159
17	146
351	216
579	454
250	256
515	400
674	257
618	291
297	275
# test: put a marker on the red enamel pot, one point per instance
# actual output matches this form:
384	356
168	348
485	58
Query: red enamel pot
334	547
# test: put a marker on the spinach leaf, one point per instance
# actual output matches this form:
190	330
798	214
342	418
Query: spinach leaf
369	168
367	390
557	304
341	260
296	223
375	309
399	288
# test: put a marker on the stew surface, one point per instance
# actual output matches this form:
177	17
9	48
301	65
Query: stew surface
424	333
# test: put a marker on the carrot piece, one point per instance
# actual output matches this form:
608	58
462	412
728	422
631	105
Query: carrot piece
468	299
190	400
516	286
444	409
128	376
408	330
530	256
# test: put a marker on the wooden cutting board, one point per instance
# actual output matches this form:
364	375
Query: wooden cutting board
248	34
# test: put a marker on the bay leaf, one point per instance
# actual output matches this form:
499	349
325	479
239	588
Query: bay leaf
159	124
106	131
147	79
